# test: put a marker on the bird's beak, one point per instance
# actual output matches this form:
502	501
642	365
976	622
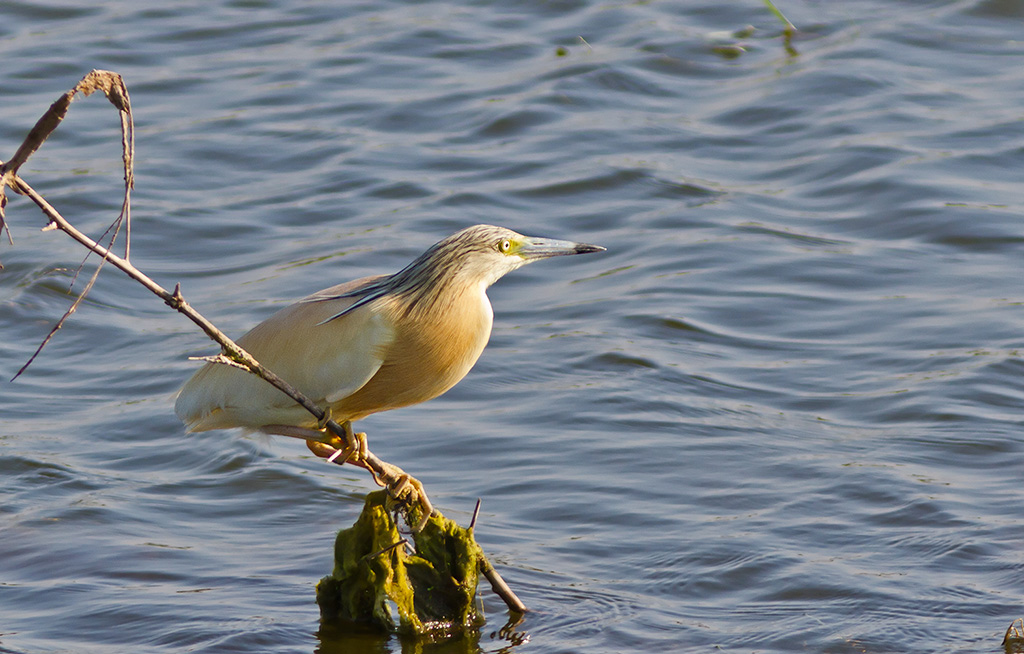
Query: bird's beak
533	248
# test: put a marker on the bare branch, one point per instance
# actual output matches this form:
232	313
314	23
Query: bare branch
500	588
113	87
231	354
221	359
476	514
230	350
98	80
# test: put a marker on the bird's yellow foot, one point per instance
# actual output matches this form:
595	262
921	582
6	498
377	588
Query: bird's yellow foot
351	449
354	443
353	453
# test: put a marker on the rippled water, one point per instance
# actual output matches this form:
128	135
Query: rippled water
781	413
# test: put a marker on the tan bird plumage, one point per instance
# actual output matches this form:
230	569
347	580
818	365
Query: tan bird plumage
373	344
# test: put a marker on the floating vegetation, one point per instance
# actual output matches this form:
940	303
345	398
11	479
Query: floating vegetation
730	44
788	30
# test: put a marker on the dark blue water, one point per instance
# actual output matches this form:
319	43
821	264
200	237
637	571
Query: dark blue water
782	412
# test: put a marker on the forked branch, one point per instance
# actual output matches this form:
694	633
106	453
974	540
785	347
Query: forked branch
113	87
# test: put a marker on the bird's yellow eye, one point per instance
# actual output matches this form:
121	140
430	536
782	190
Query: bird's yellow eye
505	246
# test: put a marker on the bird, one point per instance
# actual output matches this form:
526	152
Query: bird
374	344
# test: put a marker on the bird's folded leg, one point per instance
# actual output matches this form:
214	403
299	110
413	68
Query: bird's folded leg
324	443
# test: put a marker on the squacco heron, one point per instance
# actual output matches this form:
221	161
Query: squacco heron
370	345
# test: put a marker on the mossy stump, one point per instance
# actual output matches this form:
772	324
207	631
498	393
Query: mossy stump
431	591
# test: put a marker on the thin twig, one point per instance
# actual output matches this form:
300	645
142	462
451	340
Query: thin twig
78	300
476	513
498	585
500	588
60	323
5	229
401	541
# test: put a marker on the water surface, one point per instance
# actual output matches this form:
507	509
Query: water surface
781	413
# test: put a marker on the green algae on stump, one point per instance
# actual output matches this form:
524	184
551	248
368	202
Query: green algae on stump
432	590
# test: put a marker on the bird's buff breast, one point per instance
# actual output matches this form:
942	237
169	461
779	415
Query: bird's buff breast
431	351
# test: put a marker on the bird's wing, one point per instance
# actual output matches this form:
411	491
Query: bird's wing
357	289
325	359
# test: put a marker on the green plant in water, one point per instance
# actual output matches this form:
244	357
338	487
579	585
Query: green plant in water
432	591
788	29
778	14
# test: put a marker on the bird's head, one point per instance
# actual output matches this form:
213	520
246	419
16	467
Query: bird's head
485	253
